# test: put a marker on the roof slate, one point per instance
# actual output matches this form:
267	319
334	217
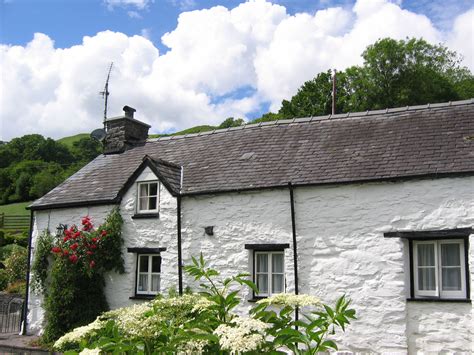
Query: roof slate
386	144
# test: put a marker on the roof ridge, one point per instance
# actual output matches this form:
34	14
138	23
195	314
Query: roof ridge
320	118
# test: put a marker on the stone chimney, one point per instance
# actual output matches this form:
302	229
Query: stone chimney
124	132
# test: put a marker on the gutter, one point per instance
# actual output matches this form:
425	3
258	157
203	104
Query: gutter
24	316
295	246
178	226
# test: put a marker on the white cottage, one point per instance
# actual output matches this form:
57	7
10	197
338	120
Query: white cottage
378	205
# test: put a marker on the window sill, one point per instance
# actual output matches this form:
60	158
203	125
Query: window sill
145	215
455	300
256	299
143	297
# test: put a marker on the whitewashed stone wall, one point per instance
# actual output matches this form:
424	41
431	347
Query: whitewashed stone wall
341	249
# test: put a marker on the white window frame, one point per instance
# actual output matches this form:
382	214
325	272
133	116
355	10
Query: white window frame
270	271
139	197
438	292
149	274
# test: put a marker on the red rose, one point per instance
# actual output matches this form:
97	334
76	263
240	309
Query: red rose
93	240
77	234
93	246
103	233
56	250
86	220
65	252
65	239
92	264
73	258
89	252
74	246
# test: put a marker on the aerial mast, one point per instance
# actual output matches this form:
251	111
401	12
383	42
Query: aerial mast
105	94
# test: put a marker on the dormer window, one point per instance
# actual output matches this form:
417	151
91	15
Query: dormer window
148	197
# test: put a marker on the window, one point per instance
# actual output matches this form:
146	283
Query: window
148	274
438	262
269	272
148	197
268	268
439	268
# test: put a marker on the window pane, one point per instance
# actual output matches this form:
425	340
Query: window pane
262	262
153	189
277	283
155	283
152	205
426	279
277	263
155	265
143	263
143	203
452	279
143	190
262	283
450	255
426	254
142	282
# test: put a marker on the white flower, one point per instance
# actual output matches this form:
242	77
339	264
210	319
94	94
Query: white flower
86	351
247	334
77	334
289	299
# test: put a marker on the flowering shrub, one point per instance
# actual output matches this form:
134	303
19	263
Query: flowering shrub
205	323
81	255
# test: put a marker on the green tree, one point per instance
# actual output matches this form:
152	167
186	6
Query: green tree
394	73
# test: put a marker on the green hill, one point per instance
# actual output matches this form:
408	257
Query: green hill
15	208
69	141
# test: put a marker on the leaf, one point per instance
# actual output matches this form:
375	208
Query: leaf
329	344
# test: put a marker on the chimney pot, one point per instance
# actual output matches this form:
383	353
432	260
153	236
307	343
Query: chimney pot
129	111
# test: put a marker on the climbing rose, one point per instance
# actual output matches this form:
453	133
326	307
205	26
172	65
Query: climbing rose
56	250
73	258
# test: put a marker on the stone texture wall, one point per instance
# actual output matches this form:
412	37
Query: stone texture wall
123	134
341	249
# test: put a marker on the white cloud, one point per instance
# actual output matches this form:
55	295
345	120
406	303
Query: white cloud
139	4
134	14
213	53
184	5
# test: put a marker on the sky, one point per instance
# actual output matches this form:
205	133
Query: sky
182	63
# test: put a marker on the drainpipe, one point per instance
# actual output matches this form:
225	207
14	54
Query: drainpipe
180	256
24	315
295	247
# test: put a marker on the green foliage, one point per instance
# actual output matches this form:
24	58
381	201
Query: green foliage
8	249
17	287
16	265
40	266
205	323
30	166
3	279
394	73
7	238
74	293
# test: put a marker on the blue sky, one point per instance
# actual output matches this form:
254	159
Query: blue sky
240	60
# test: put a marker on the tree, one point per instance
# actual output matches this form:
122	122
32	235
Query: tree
394	73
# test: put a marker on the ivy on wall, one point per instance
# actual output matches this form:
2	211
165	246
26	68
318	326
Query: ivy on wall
73	286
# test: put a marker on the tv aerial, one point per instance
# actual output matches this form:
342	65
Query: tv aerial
105	94
99	133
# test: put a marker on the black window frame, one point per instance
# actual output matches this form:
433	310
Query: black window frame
255	248
436	235
144	251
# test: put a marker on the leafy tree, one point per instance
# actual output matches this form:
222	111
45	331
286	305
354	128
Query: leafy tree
86	149
394	73
231	122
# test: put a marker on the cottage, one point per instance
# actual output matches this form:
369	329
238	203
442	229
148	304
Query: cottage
377	205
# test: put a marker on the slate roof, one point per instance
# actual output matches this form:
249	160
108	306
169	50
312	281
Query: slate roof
419	141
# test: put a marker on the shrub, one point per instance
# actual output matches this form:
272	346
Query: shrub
75	295
205	323
3	279
16	265
17	287
8	249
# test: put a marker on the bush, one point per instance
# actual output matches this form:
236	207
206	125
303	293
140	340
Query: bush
8	249
16	265
17	287
3	279
75	294
205	323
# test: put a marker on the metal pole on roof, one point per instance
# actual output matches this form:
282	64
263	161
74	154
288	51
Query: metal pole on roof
334	92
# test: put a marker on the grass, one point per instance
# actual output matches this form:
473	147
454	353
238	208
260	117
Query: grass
15	208
71	139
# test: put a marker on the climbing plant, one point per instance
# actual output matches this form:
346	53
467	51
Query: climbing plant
73	287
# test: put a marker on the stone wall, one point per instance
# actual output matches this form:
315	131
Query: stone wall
341	250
